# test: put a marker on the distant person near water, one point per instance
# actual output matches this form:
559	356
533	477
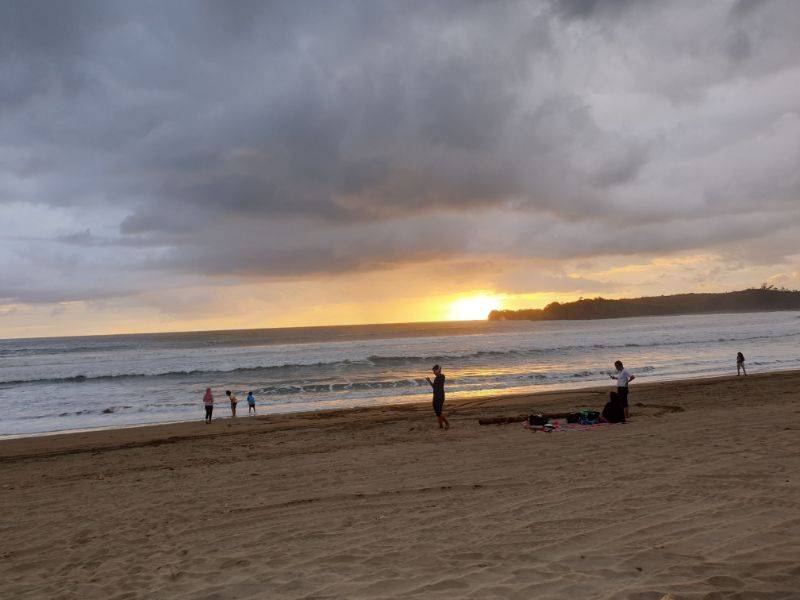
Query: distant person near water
208	402
251	403
438	396
234	400
623	378
740	364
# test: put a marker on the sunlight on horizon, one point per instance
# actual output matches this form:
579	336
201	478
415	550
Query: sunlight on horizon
473	307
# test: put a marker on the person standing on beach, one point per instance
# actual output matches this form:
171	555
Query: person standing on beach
623	378
438	396
234	400
740	364
208	402
251	403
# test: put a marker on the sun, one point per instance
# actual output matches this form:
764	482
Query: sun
473	308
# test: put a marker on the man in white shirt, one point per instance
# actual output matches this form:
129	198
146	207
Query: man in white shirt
623	378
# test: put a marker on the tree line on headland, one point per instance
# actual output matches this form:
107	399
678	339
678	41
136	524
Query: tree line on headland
765	298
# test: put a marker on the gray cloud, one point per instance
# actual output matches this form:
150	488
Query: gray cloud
293	139
584	9
742	8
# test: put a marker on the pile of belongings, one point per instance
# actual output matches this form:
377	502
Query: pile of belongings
586	416
577	420
541	423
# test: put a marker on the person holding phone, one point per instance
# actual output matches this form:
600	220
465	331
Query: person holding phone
438	396
623	378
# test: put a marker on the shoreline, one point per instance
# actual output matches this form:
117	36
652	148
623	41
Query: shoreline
128	436
222	405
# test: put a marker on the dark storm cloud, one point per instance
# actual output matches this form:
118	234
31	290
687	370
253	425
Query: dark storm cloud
41	46
584	9
156	140
742	8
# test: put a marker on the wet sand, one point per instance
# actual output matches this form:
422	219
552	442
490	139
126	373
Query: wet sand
698	497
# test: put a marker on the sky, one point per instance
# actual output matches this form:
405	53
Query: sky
210	165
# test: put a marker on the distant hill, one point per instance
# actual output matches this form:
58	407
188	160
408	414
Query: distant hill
765	298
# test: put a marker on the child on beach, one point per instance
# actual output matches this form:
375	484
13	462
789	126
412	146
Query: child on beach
438	396
623	378
251	403
234	400
208	402
740	364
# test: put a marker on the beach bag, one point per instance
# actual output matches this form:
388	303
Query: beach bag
537	420
574	417
613	412
589	417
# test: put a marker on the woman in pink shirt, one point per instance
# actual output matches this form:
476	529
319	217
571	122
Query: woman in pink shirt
208	401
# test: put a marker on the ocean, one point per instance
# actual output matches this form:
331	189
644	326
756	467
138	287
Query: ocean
58	384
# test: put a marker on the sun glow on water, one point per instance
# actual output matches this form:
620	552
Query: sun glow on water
473	308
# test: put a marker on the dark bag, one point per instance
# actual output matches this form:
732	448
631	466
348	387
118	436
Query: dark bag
613	412
589	417
574	417
537	420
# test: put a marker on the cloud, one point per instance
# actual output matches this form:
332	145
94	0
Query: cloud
585	9
158	145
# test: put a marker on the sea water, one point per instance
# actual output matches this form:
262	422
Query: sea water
107	381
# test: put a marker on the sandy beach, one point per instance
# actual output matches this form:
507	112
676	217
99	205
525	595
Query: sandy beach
697	497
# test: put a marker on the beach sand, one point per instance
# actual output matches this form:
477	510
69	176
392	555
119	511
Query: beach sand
697	497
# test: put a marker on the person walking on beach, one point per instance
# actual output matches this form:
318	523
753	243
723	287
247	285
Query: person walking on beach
740	364
208	402
234	400
251	403
623	378
438	396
